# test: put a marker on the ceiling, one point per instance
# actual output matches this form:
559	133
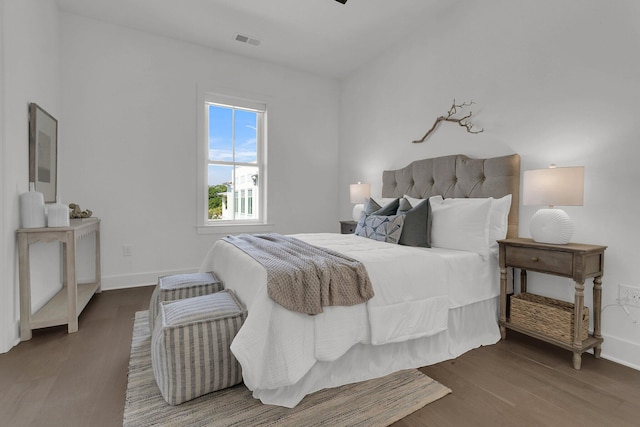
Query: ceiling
321	36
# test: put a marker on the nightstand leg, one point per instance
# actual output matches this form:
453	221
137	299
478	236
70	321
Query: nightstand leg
503	301
577	325
597	307
577	360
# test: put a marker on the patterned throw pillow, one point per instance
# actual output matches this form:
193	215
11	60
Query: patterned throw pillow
382	228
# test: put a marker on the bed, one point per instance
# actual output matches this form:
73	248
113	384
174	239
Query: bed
430	304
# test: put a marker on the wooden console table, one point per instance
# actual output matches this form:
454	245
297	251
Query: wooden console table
573	260
65	307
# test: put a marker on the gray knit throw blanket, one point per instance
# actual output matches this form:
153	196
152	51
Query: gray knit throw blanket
304	278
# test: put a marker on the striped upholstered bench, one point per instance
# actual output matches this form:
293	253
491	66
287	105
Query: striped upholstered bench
190	351
180	286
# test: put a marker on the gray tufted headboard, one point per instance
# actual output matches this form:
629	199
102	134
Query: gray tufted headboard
459	176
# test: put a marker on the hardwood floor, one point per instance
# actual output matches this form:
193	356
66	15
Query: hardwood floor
525	382
60	379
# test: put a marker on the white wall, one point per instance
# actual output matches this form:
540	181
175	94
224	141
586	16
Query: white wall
128	145
556	82
29	40
6	308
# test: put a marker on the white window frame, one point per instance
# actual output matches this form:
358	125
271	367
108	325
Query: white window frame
203	224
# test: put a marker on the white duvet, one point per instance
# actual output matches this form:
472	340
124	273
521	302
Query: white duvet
414	290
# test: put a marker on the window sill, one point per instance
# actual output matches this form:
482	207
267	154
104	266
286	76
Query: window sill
235	228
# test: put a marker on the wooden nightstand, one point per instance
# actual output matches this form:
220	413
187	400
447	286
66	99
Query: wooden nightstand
348	227
573	260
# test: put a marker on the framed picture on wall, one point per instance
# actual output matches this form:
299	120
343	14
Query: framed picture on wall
43	152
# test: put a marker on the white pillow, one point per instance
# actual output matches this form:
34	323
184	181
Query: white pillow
498	216
436	199
462	226
499	219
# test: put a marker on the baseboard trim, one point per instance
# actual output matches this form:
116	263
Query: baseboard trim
14	343
136	280
621	351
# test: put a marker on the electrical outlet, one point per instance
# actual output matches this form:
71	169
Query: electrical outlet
629	295
126	250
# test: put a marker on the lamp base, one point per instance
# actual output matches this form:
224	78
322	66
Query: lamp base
357	211
551	226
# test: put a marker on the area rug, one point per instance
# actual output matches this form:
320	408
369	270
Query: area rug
377	402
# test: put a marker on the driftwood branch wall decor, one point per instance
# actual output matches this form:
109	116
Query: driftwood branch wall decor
450	117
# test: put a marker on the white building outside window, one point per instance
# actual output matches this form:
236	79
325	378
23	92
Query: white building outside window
234	167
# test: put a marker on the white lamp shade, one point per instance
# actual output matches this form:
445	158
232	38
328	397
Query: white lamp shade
359	192
554	187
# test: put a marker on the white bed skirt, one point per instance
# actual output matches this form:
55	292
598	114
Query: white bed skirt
469	327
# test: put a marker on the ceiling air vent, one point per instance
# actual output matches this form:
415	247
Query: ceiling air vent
246	39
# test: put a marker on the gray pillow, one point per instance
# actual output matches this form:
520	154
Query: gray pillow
404	206
416	230
373	208
370	206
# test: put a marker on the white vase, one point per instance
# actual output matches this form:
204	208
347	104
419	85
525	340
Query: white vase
32	208
58	214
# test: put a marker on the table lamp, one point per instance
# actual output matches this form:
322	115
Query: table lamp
553	187
358	194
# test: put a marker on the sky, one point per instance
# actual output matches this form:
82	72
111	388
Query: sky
230	141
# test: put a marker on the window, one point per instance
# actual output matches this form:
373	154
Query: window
234	170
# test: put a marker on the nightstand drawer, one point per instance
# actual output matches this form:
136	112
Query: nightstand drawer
541	260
